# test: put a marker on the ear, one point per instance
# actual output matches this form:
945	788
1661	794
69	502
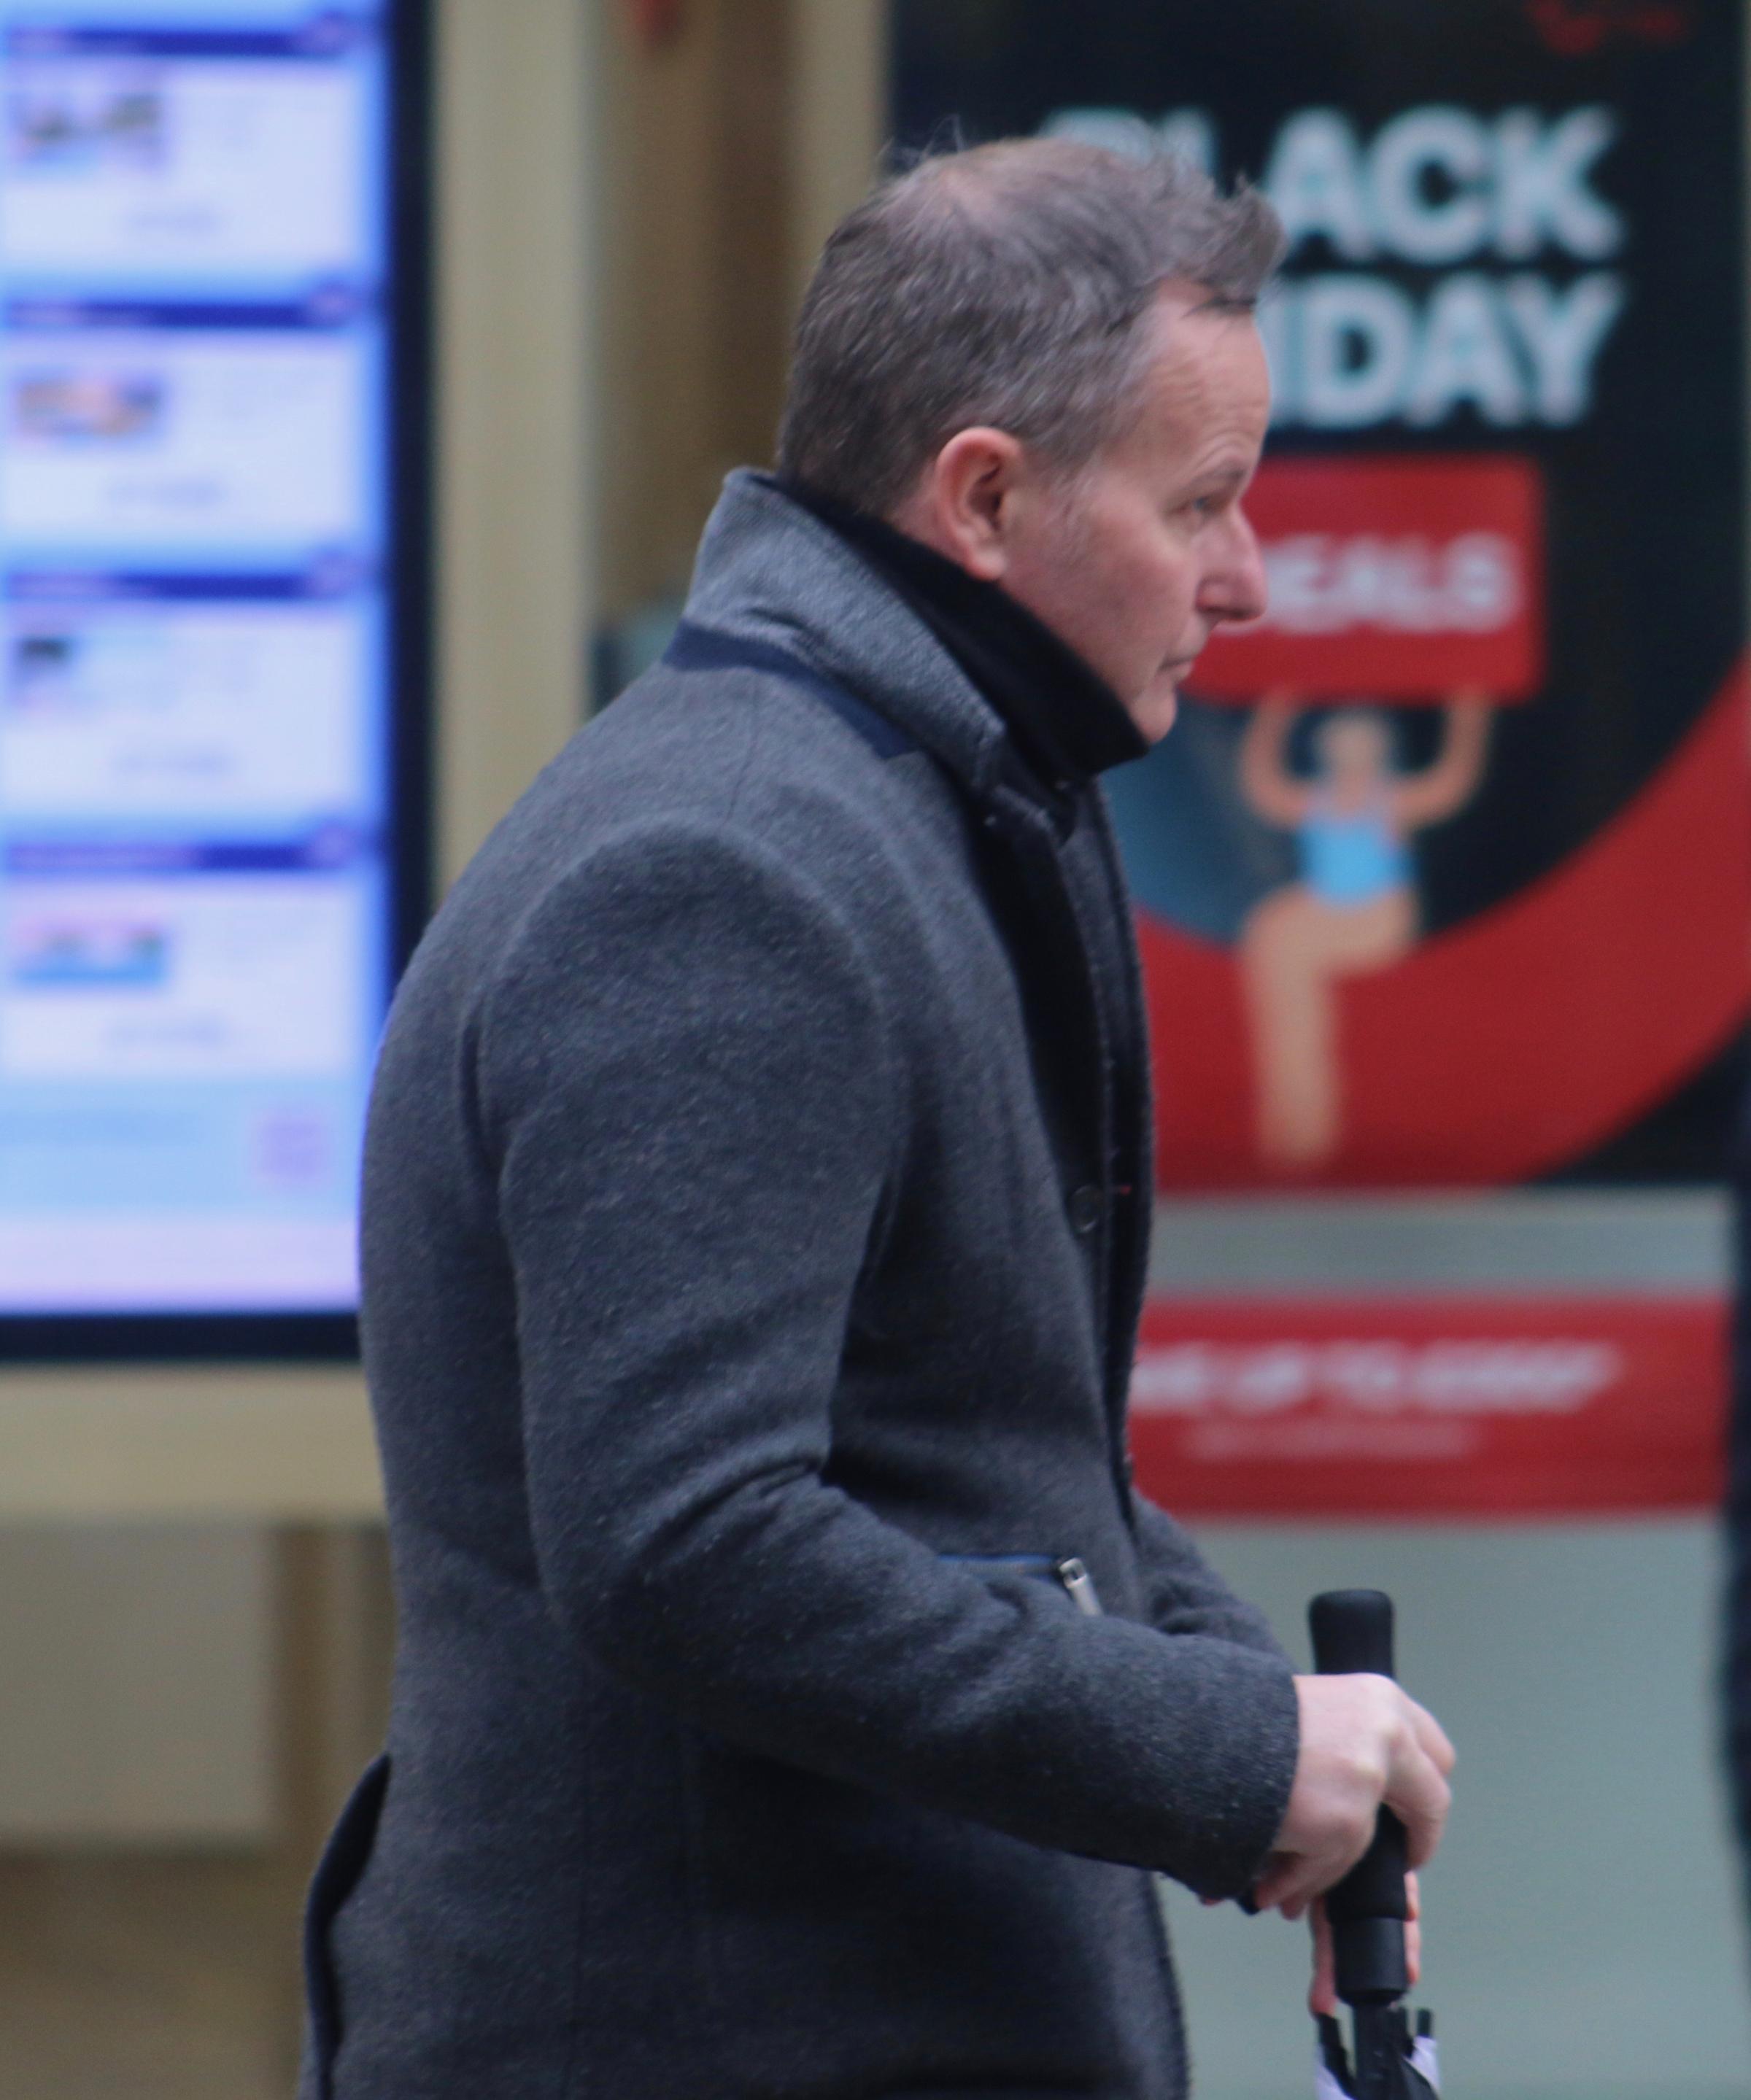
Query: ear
966	504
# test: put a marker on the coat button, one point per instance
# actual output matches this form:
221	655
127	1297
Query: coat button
1087	1207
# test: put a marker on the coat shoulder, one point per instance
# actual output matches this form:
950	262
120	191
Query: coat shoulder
733	765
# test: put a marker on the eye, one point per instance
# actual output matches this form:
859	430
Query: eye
1214	500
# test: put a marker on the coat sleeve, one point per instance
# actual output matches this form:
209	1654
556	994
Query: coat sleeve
693	1111
1184	1595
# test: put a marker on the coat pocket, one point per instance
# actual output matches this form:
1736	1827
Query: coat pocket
1068	1573
336	1875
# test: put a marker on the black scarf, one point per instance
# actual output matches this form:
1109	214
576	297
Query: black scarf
1066	723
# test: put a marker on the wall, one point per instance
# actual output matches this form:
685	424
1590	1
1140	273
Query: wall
138	1681
731	150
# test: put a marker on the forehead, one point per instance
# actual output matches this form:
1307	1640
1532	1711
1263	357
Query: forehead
1207	379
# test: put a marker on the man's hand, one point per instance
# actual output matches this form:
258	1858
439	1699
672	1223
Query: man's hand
1364	1743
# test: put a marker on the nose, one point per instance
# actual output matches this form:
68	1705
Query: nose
1234	586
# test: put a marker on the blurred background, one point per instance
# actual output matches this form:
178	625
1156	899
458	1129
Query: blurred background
369	371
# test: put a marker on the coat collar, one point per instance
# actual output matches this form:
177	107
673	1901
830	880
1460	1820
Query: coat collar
769	571
1065	722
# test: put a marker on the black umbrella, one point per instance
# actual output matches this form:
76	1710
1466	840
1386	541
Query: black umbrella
1352	1631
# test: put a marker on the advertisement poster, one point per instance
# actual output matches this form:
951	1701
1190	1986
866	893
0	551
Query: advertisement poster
1444	877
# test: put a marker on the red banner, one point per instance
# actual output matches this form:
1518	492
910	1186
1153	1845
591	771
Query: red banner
1410	579
1431	1407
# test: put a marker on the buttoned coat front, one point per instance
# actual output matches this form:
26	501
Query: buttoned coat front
754	1231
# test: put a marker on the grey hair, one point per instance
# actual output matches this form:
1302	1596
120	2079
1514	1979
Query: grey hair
1002	285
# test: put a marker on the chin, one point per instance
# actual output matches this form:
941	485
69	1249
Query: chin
1156	711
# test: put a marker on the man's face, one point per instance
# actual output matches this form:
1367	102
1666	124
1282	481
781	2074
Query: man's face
1143	554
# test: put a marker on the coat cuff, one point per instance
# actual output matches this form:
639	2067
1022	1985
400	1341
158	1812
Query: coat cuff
1255	1722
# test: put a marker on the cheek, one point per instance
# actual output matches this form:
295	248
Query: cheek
1121	596
1152	595
1135	562
1168	583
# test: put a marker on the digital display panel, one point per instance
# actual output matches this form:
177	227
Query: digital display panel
211	507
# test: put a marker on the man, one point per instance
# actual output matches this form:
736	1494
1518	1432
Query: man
794	1696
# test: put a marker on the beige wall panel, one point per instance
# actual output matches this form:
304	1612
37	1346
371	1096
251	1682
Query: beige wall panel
696	287
516	367
658	290
839	117
751	206
137	1707
292	1445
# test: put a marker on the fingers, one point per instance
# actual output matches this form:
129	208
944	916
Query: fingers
1433	1738
1292	1881
1418	1795
1283	1885
1416	1788
1279	1872
1322	1993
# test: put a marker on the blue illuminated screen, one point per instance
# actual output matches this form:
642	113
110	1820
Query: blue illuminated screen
195	724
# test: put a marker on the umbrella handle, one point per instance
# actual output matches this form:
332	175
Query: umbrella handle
1352	1632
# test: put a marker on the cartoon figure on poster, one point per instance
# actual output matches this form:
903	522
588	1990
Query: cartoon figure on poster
1353	907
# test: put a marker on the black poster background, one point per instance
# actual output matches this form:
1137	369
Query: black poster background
1645	612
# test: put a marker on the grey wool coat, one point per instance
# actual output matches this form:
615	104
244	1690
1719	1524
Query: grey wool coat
755	1232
